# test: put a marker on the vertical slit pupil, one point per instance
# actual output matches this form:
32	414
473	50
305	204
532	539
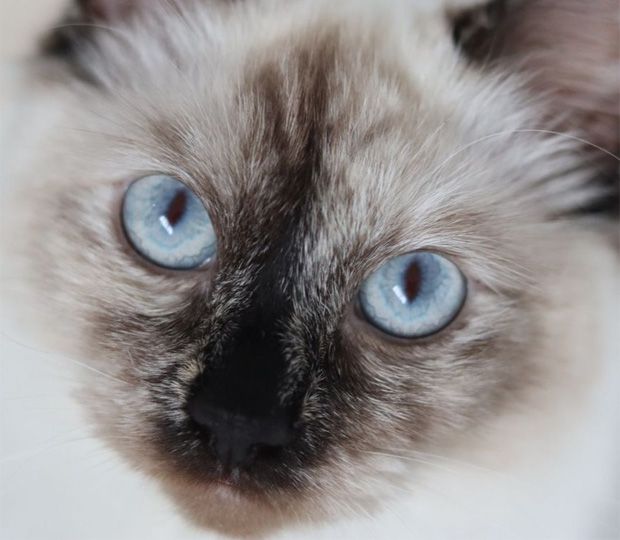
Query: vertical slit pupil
413	279
177	207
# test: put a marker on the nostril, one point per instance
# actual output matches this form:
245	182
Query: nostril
199	410
267	453
236	438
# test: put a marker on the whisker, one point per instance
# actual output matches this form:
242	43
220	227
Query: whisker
62	357
427	458
519	131
571	137
50	444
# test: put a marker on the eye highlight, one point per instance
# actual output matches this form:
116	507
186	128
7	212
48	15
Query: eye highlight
414	295
167	224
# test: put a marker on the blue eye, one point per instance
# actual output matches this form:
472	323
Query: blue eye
167	224
413	295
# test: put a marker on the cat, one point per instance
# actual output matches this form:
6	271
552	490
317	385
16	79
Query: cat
260	371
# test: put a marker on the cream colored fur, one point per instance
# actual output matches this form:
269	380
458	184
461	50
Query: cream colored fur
542	465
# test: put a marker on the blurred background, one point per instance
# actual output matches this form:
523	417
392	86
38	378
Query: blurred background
21	22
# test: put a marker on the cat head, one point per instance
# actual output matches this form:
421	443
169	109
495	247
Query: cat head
321	146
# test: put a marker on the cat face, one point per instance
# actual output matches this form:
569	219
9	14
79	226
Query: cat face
322	143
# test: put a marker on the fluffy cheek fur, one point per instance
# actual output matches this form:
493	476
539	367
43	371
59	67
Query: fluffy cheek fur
412	154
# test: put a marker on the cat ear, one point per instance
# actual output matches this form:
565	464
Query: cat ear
107	9
84	18
569	51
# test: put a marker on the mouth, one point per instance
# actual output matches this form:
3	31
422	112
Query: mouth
228	480
248	483
266	472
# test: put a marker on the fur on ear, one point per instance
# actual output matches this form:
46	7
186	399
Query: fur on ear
569	51
569	54
106	9
81	19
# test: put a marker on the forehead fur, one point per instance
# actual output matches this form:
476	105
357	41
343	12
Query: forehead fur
272	103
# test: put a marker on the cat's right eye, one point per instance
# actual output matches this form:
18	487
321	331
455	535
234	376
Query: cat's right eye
167	224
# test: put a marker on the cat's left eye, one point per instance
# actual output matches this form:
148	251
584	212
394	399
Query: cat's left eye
414	295
166	223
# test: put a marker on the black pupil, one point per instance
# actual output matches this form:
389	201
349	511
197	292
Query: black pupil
413	279
177	207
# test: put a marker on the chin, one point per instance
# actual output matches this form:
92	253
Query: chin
224	508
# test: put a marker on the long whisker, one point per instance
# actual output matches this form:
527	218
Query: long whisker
442	462
571	137
518	131
62	358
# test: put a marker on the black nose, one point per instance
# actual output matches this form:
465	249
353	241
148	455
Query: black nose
238	437
239	398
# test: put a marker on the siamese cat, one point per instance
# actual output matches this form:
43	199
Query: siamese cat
338	263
